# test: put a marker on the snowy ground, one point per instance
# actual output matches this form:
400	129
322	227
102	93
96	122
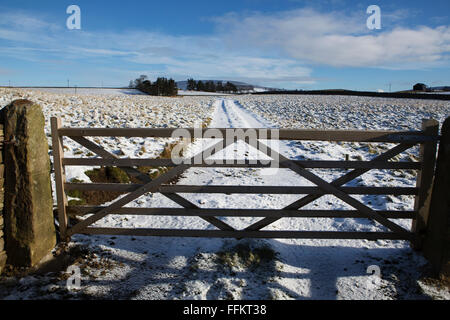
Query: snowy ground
191	268
344	112
119	108
200	93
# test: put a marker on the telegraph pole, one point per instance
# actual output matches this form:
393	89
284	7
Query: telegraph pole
68	83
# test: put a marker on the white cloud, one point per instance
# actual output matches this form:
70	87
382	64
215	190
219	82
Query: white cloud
259	48
336	39
24	21
176	56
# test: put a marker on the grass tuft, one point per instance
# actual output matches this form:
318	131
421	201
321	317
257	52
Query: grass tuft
246	257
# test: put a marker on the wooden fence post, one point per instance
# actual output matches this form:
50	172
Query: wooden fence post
425	182
436	247
60	179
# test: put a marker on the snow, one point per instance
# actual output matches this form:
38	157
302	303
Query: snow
200	93
438	92
191	268
259	89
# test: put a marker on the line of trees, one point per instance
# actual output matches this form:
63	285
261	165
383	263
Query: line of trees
210	86
161	87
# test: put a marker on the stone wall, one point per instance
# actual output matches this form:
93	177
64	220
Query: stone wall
2	196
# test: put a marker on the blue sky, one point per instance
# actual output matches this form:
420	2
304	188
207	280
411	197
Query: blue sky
302	44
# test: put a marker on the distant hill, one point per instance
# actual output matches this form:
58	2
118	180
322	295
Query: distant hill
242	86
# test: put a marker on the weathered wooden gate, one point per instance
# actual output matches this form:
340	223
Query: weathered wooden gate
427	138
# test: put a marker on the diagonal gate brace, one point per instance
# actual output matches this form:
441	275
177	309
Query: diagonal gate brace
333	188
151	186
146	179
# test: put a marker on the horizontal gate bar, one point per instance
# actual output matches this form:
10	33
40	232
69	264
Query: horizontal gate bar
241	163
121	187
74	211
250	234
282	134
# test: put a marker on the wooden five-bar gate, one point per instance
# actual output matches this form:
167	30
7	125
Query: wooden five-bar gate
427	138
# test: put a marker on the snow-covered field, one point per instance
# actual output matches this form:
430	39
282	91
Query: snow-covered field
114	108
200	93
344	112
191	268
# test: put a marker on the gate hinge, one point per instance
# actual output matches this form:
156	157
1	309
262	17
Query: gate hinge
13	141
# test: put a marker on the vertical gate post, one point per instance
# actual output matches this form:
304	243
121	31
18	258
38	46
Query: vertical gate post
28	210
2	190
425	182
58	154
436	246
